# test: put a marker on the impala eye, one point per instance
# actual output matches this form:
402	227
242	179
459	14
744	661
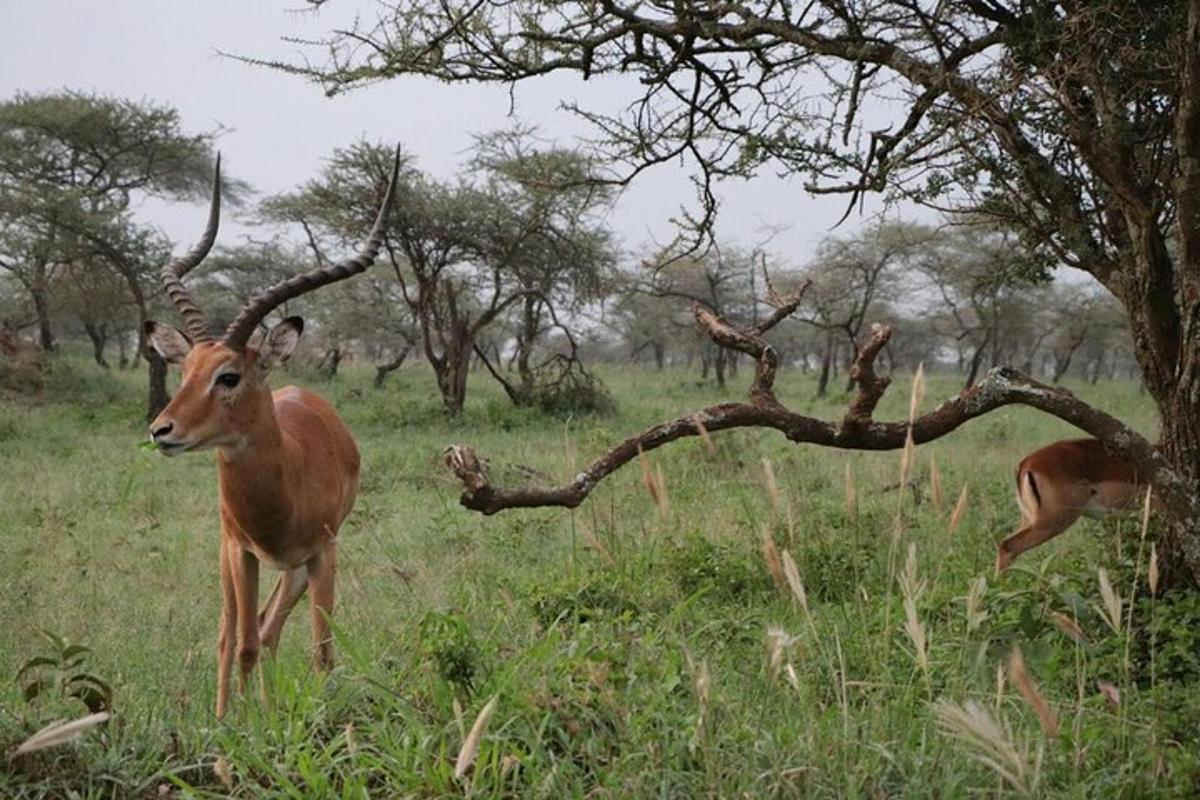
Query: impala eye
228	380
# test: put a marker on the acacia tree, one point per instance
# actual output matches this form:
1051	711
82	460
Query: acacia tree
1077	124
721	280
546	230
979	277
71	165
463	254
854	278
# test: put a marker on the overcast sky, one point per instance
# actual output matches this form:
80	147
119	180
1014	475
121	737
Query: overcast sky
278	128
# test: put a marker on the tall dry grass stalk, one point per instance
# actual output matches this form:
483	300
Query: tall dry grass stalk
470	745
648	476
1069	626
1111	608
1146	504
935	486
960	511
772	485
459	721
792	678
851	495
906	459
1031	693
917	394
991	742
1112	695
976	613
656	486
57	733
223	772
912	587
664	502
1152	570
794	583
774	564
778	641
910	447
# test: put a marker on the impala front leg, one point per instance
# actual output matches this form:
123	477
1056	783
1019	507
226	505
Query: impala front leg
227	634
322	570
245	585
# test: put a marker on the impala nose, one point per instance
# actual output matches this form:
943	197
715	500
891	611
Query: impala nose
161	430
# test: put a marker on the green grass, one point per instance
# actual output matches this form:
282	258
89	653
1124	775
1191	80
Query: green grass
627	647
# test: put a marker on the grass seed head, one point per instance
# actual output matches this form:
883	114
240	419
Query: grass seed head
1031	693
976	613
57	733
772	486
470	746
906	459
1111	609
774	565
794	583
990	742
917	394
935	486
1112	695
1152	572
960	511
1069	626
223	772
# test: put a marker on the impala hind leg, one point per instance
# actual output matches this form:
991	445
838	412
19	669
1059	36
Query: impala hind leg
322	571
1042	528
283	598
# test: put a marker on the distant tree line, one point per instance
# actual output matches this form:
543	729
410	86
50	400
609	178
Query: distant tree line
509	272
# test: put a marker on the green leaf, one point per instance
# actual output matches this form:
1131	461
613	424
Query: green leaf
34	663
75	650
59	642
93	698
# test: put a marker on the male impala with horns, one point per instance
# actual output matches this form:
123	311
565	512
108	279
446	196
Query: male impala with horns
287	466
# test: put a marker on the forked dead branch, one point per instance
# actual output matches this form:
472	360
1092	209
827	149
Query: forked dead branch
857	430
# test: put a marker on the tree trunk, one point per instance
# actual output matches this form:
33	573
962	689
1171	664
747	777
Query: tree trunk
452	370
719	367
158	394
976	362
659	355
98	333
1166	339
530	322
383	370
826	363
331	361
41	306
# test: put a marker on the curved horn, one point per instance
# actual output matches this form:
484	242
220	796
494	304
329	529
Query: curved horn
172	274
263	302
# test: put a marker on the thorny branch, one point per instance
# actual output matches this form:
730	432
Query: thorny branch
856	431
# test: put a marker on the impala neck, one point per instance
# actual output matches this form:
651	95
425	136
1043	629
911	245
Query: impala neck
253	475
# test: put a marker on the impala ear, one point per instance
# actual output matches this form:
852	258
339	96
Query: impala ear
169	342
279	344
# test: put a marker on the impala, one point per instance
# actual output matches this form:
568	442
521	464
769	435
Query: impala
1061	482
287	466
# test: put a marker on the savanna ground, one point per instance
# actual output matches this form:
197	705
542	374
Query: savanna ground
629	647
